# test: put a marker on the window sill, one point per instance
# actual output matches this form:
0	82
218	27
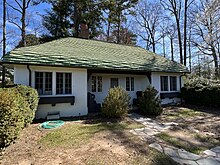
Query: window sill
53	100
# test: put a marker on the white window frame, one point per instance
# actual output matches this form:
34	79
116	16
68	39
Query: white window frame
111	82
44	82
169	83
97	83
64	83
130	84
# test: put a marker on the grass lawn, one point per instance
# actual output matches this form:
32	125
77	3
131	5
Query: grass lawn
91	141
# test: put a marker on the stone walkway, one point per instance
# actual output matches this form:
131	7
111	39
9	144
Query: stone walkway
183	157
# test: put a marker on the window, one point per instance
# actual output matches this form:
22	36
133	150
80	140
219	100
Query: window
96	84
164	83
129	83
173	83
114	82
43	83
63	83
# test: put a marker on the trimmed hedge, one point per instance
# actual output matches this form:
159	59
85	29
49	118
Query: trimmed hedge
17	109
116	103
149	103
202	92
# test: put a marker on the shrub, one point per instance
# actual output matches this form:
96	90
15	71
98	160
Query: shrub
116	104
149	103
201	91
31	97
17	109
12	105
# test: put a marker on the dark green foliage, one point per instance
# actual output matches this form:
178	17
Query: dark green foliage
17	109
30	40
148	103
66	16
31	97
201	91
116	104
11	115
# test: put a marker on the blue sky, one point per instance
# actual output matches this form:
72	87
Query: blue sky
34	27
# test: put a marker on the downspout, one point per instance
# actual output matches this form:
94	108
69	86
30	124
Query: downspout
28	67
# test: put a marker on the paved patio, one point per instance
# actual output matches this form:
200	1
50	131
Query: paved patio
152	127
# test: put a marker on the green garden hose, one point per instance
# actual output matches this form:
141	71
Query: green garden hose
52	124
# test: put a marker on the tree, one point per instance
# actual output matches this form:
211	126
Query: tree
148	17
31	40
116	11
57	20
175	7
21	7
66	16
4	41
127	37
206	30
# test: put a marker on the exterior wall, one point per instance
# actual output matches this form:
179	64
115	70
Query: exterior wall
140	83
79	90
21	75
155	78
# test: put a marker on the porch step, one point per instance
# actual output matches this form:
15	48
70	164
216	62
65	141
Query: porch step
53	115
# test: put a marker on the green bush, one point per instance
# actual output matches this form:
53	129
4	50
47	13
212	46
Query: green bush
148	103
11	115
202	92
17	109
116	104
31	96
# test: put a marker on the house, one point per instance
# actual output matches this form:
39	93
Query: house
72	76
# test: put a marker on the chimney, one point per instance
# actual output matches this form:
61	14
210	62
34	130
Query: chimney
84	31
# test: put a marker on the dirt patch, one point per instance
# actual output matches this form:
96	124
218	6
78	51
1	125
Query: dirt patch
197	127
110	145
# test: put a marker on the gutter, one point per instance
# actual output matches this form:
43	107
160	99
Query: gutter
28	67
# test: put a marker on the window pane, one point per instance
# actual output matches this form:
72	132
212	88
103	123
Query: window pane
68	83
173	83
132	83
93	83
59	83
114	82
39	82
99	84
127	83
164	83
48	83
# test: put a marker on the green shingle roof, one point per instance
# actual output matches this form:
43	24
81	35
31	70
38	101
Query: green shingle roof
74	52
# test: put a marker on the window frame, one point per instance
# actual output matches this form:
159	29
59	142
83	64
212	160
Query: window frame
64	83
114	79
162	86
171	88
129	84
97	85
44	83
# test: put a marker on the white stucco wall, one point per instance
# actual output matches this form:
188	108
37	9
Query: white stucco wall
155	81
79	90
140	83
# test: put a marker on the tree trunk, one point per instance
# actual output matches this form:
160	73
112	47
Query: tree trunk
185	33
23	23
164	49
76	20
171	47
118	30
153	44
108	30
4	41
180	40
215	58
